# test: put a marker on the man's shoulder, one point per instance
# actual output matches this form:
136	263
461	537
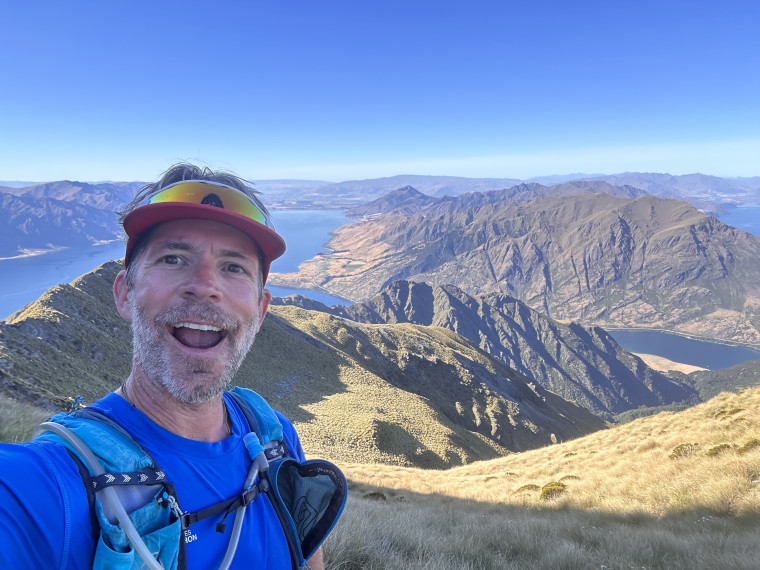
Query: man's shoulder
31	459
36	469
42	499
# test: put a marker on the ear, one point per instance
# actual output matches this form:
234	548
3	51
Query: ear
266	297
121	295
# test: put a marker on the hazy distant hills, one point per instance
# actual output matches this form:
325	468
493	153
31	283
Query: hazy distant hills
29	223
103	195
584	365
595	258
408	200
391	393
60	214
708	193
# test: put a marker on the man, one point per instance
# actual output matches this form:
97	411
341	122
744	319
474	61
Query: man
198	254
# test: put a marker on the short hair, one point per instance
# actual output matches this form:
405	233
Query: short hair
177	173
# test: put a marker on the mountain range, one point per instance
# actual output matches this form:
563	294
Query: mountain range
624	260
60	214
38	224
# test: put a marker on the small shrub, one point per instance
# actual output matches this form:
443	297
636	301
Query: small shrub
718	449
552	490
375	496
528	488
684	450
749	446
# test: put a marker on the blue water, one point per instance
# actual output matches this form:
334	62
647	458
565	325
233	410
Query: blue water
745	218
25	279
305	232
323	298
710	355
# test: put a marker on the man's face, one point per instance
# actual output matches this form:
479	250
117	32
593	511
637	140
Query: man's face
195	307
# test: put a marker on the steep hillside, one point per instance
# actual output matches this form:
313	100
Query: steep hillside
584	365
593	258
401	394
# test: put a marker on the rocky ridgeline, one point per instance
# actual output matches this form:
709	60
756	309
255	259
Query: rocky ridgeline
592	258
584	365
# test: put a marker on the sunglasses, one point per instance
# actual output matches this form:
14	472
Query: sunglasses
210	194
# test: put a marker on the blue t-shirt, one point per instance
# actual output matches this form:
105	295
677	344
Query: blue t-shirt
45	517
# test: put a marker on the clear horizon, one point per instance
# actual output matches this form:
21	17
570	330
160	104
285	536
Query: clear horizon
270	180
340	90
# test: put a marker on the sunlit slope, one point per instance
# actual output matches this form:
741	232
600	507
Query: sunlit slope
704	458
400	394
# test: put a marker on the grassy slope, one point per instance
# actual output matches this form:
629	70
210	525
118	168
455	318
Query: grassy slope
677	491
704	458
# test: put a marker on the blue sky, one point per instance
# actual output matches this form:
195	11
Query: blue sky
339	90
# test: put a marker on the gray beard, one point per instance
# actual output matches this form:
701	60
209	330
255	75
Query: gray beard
151	359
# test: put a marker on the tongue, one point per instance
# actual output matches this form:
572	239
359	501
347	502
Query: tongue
197	339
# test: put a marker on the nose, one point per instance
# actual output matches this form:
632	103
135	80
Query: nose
203	282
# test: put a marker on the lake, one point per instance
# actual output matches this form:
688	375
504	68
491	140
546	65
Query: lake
710	355
745	218
25	279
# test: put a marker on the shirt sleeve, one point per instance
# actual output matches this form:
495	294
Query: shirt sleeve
44	513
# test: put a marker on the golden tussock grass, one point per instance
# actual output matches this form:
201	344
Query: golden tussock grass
675	490
705	458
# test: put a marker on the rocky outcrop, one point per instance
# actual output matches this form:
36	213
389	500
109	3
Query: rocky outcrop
584	365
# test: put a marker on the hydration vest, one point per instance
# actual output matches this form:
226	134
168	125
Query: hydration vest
121	476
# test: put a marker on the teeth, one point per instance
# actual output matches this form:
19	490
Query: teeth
198	327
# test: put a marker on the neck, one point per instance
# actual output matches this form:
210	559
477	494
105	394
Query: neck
206	421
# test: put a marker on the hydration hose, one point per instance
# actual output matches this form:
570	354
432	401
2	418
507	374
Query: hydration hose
260	463
109	493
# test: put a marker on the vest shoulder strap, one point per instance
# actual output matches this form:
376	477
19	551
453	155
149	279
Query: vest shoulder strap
260	415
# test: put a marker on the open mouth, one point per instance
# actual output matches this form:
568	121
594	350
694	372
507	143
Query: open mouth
194	335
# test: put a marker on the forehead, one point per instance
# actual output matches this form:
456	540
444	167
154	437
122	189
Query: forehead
202	234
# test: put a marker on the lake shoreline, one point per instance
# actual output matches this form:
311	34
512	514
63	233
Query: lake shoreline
735	343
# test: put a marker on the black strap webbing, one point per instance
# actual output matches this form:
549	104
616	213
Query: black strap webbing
242	500
146	476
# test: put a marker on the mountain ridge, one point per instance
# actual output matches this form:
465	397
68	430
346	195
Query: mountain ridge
580	364
620	262
402	394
